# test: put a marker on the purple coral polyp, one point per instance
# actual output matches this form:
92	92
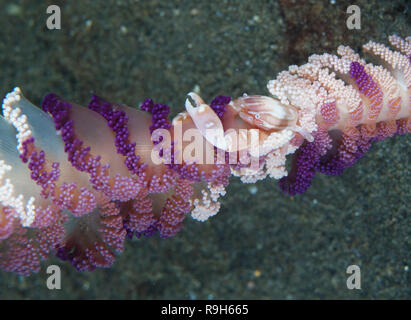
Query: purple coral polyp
219	105
117	122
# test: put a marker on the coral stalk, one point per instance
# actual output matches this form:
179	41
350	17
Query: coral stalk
79	181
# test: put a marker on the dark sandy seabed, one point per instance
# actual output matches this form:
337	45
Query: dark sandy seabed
260	246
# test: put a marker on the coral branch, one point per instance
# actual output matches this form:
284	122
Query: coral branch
79	181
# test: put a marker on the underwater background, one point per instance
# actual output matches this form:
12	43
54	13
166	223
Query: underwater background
262	244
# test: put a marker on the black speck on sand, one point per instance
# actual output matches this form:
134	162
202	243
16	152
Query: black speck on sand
260	246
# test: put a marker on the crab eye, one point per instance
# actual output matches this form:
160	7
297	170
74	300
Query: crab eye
257	116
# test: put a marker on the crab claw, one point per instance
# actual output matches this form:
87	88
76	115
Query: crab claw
265	112
206	120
